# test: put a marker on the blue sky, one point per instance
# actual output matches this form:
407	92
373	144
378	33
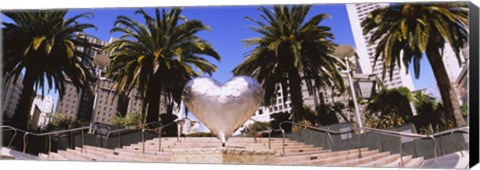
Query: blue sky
228	28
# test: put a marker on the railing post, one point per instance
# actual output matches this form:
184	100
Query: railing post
25	142
160	139
327	134
441	147
381	143
49	145
72	140
434	151
83	141
455	143
348	142
269	138
178	132
46	144
13	137
414	148
330	140
120	140
106	139
360	155
283	142
401	153
143	140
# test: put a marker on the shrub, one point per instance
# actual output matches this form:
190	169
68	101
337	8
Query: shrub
64	121
130	119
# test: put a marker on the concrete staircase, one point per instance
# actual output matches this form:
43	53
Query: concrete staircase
296	153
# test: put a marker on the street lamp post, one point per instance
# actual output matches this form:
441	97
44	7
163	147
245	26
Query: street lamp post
347	51
100	62
354	95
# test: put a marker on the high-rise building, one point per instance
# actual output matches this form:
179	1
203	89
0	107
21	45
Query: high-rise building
78	103
356	14
70	102
101	104
45	105
107	105
11	96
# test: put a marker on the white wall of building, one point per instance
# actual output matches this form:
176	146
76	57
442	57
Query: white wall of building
45	105
356	14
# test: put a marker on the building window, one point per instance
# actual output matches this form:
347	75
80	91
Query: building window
281	107
260	111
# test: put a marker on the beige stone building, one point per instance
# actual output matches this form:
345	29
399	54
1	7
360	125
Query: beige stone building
11	96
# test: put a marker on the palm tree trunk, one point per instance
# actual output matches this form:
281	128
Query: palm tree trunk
449	95
296	96
144	110
153	93
20	119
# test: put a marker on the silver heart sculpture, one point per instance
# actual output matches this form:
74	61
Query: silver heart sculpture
223	108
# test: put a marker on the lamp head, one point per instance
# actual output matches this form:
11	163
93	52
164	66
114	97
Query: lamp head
344	51
101	60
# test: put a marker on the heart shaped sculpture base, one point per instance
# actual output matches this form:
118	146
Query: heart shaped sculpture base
223	108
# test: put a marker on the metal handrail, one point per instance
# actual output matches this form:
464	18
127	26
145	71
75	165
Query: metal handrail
14	133
26	133
119	131
255	129
160	129
465	129
384	132
328	131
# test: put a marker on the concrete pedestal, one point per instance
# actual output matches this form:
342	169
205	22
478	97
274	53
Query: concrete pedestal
227	155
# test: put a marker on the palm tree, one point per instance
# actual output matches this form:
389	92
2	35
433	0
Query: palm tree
392	101
404	32
291	51
159	57
42	45
431	113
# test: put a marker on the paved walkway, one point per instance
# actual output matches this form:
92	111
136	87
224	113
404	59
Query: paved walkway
450	161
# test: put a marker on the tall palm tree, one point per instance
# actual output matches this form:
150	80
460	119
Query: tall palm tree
159	57
417	29
43	46
291	51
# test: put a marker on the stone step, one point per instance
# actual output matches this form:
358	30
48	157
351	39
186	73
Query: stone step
69	155
132	156
231	140
339	158
296	153
280	154
377	161
9	153
317	156
398	162
194	144
359	160
151	146
154	146
164	153
42	156
321	160
55	156
415	163
218	141
98	155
